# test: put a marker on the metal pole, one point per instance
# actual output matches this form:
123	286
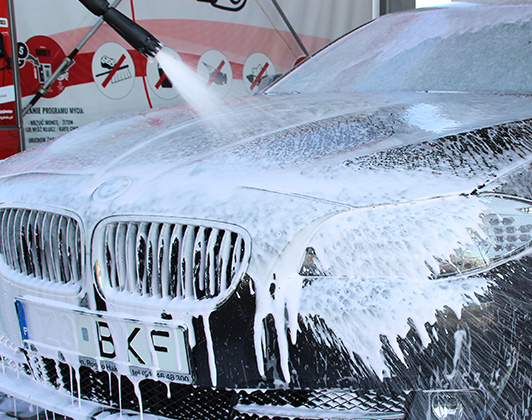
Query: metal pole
290	27
65	64
376	6
16	74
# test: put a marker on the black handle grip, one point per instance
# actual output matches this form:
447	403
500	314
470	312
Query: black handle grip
97	7
139	38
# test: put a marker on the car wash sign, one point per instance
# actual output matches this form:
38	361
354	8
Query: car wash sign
233	47
9	124
7	87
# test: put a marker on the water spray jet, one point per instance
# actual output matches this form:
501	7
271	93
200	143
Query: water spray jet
139	38
191	88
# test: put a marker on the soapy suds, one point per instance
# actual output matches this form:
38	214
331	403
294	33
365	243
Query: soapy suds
461	345
71	387
285	307
120	395
78	382
210	349
136	386
379	262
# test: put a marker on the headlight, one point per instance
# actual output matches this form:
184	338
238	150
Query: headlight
435	238
454	404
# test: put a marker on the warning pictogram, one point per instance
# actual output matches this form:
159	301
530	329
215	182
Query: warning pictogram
39	57
257	68
158	81
215	69
113	70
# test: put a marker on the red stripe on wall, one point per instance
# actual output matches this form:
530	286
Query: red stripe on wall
142	62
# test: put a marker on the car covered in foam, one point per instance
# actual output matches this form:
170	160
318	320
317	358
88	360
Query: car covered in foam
353	243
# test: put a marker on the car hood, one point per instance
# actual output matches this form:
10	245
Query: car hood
284	171
296	144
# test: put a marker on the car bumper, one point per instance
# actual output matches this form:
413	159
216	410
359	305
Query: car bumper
30	381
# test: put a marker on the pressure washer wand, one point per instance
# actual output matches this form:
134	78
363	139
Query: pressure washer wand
139	38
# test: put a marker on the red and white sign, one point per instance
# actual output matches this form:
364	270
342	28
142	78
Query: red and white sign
9	139
159	82
257	68
215	69
113	70
42	57
231	44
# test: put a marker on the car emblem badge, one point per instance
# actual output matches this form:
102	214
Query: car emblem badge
112	188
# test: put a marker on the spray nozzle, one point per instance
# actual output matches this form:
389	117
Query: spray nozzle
97	7
139	38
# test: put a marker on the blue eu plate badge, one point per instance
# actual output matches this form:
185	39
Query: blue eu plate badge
22	320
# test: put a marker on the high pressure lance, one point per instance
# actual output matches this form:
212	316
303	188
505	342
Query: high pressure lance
139	38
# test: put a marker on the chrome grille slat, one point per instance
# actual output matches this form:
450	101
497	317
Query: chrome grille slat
56	251
153	286
164	259
33	238
41	244
64	259
186	263
225	257
3	239
211	262
79	252
23	243
47	246
11	241
199	263
72	248
120	253
16	240
131	281
176	279
41	248
111	254
236	255
142	257
161	259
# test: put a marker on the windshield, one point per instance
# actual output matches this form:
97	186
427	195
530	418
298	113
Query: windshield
466	49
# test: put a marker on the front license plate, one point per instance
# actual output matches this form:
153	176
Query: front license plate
105	341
